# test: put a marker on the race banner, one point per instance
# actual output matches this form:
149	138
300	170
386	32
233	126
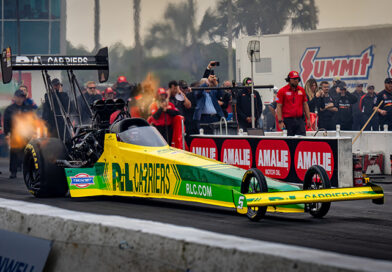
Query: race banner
349	67
286	159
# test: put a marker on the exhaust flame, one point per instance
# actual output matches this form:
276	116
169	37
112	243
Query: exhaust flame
26	126
149	87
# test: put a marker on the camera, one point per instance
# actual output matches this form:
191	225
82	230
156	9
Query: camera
215	63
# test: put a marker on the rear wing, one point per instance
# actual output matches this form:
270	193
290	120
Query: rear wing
98	62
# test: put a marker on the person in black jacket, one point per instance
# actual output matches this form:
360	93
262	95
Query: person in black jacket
385	110
48	115
244	112
344	103
312	94
326	108
366	106
91	95
16	152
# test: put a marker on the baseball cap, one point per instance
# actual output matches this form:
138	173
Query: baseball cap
370	87
162	91
342	85
388	80
121	79
359	85
293	74
56	81
183	84
19	93
109	90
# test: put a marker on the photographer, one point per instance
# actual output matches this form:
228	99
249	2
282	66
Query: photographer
162	112
208	106
209	71
177	96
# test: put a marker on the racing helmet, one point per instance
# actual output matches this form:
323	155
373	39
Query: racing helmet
293	74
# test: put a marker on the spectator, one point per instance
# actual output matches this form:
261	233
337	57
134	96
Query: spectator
16	152
227	99
327	108
91	95
312	94
178	98
291	106
124	89
208	106
48	115
162	112
366	106
332	92
28	100
244	106
190	125
344	103
385	110
357	114
210	69
109	94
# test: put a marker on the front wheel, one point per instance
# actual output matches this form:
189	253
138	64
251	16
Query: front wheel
253	182
42	176
317	178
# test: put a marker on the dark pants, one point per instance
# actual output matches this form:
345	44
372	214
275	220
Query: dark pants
346	126
16	158
208	119
357	122
328	124
166	132
373	124
295	126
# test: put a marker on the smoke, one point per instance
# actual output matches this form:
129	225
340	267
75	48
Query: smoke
26	126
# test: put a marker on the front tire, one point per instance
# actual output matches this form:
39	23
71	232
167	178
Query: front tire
317	178
42	176
254	181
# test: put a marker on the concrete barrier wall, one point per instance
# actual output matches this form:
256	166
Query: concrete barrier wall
87	242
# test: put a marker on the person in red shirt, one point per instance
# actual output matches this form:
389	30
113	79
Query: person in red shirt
291	106
162	113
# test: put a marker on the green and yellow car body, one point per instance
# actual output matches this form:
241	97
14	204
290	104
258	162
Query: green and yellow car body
164	172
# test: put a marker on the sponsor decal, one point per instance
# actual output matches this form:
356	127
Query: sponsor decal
350	67
39	60
237	153
204	147
145	178
198	190
273	158
313	153
389	72
82	180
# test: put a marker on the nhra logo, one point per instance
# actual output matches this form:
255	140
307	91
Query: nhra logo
348	67
389	72
82	180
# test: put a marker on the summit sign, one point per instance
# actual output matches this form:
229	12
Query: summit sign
349	67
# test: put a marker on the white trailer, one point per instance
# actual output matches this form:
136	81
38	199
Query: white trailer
356	55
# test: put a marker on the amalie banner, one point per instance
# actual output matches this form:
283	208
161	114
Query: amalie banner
281	158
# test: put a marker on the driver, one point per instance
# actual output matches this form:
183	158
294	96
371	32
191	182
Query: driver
162	113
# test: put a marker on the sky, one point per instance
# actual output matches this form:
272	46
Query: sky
117	17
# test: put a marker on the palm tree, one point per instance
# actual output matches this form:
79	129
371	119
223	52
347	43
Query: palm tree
96	25
138	44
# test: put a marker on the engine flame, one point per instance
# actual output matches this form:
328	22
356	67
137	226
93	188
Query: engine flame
26	126
149	87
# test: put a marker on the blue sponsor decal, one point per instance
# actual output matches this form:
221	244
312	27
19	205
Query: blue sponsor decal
82	180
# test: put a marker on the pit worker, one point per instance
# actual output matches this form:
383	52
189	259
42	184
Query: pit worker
291	106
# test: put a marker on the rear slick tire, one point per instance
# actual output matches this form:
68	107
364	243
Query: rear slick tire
42	176
317	178
254	181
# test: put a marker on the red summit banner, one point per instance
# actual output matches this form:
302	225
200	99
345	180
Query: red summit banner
349	67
